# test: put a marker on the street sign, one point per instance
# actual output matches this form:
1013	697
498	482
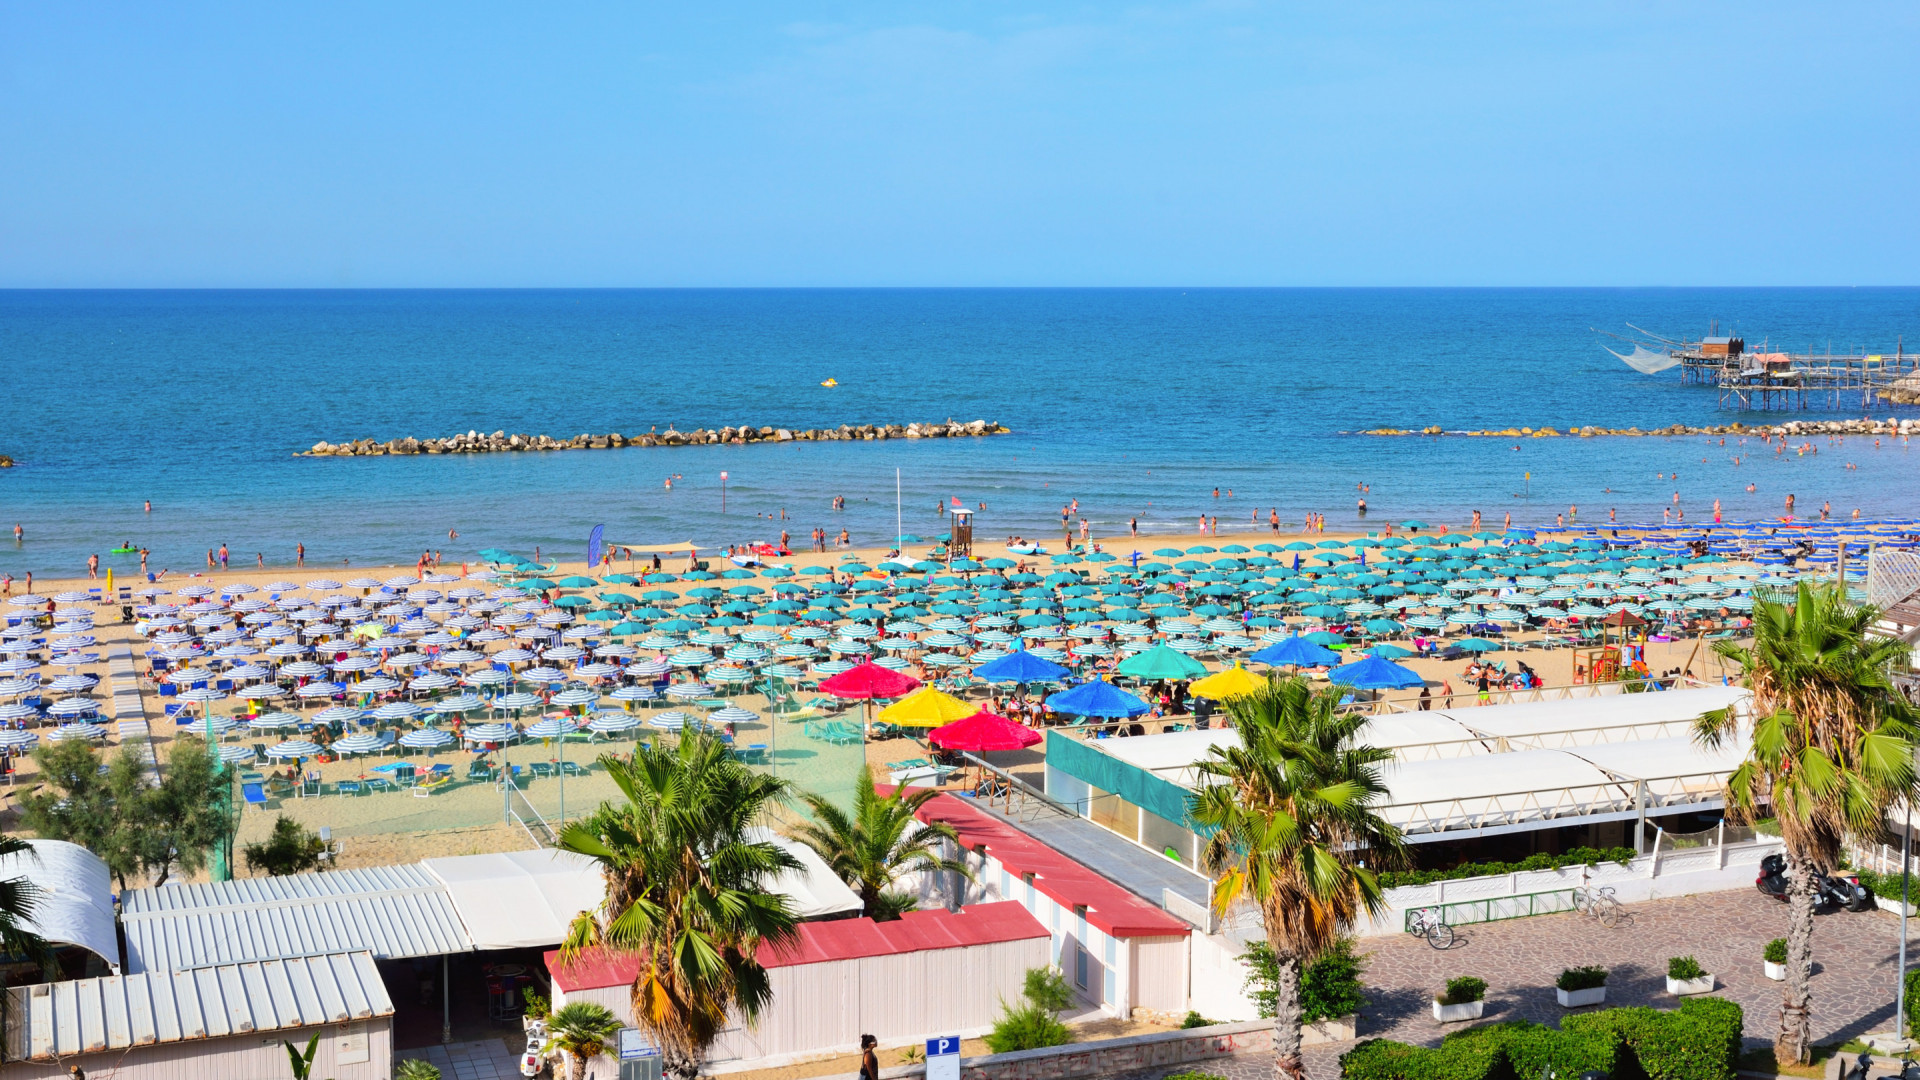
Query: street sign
635	1044
943	1058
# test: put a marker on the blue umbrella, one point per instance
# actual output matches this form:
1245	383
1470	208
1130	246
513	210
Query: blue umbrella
1021	667
1376	673
1296	652
1097	698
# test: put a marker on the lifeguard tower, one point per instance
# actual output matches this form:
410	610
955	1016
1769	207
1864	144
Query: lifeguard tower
960	541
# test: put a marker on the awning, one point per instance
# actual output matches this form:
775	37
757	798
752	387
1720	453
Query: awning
519	899
75	896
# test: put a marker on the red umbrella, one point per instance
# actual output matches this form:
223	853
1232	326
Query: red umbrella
983	731
869	680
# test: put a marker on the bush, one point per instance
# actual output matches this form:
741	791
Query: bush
291	849
1194	1020
1776	951
1581	978
1698	1041
1913	1003
415	1069
1331	985
1581	856
537	1005
1462	990
1684	967
1033	1023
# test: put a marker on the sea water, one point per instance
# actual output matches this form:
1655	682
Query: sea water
1137	403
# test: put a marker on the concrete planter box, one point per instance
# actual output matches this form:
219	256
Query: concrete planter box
1453	1014
1332	1030
1885	904
1689	987
1776	972
1574	999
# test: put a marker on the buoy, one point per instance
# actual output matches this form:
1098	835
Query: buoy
831	382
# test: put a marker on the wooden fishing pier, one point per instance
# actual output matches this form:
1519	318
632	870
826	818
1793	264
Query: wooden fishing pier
1790	380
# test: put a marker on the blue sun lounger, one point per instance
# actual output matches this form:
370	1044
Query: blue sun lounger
255	794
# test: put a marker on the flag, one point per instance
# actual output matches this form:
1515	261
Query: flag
593	545
956	500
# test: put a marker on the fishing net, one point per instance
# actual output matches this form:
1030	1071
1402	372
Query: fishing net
1645	361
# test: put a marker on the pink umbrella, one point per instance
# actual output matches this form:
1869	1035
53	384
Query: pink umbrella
984	732
868	681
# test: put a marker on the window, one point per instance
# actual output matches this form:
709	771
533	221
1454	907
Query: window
1080	946
1112	979
1080	967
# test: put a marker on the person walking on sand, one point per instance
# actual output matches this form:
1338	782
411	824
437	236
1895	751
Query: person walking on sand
299	554
93	568
143	562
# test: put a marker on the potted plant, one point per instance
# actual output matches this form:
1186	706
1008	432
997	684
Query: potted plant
1463	999
1685	976
1776	959
1581	986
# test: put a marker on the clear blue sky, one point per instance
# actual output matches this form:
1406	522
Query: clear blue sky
957	143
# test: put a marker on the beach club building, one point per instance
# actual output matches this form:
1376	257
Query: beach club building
1489	782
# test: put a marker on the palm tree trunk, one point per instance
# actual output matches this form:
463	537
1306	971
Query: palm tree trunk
678	1065
1286	1017
1791	1047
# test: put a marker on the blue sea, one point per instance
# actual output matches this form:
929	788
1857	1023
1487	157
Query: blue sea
1138	403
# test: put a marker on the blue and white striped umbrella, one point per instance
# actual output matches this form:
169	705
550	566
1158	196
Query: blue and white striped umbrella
789	672
613	721
634	693
746	654
200	694
72	684
274	721
553	727
438	680
293	748
595	671
13	739
260	692
487	677
77	731
544	675
398	710
689	691
426	738
893	663
337	714
220	724
732	714
563	654
576	696
490	733
73	707
518	701
831	668
691	658
731	675
458	703
236	755
363	743
301	669
649	669
379	684
16	687
673	721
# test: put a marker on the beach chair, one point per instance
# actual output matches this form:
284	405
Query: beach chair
254	793
571	769
480	770
348	787
378	783
841	733
542	770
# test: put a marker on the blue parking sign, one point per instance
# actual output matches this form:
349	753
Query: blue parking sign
943	1058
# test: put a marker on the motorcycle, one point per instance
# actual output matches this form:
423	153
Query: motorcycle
1831	892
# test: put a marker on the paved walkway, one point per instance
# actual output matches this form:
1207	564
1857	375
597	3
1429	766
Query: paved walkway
487	1059
1853	984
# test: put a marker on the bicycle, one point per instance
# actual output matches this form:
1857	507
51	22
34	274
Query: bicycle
1426	922
1601	904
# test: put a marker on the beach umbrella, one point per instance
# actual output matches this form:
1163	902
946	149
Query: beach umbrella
672	721
275	721
77	731
732	714
926	707
553	727
609	722
867	681
293	749
236	755
1161	662
1375	673
983	732
1390	652
427	738
1097	698
518	701
489	733
1232	682
1019	667
397	710
576	696
364	743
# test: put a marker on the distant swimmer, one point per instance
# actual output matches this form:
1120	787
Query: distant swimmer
831	382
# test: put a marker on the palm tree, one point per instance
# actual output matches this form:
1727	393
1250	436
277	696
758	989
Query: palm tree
687	890
1292	809
580	1030
1832	750
874	846
18	900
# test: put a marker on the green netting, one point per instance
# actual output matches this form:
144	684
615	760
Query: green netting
1083	760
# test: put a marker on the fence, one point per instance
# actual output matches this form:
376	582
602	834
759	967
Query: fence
1497	908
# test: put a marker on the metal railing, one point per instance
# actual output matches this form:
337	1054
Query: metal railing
1497	908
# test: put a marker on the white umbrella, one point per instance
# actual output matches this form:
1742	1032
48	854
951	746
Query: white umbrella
364	743
489	733
293	748
77	731
426	739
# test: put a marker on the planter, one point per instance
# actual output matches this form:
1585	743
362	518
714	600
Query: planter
1688	987
1453	1014
1776	972
1331	1030
1885	904
1573	999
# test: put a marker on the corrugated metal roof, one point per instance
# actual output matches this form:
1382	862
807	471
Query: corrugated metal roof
75	902
394	912
50	1021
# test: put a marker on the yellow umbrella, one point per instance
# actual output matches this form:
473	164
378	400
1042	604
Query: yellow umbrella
926	707
1232	682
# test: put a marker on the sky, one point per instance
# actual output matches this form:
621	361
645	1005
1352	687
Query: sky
1220	143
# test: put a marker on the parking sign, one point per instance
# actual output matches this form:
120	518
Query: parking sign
943	1058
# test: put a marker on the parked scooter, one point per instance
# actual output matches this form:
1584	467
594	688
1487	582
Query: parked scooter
1831	892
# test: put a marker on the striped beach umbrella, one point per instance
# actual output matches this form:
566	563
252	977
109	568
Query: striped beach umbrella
427	738
293	749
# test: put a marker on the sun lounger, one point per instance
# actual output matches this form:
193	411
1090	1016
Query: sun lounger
542	769
255	794
347	787
572	769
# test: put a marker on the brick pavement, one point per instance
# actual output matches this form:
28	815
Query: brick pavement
1853	984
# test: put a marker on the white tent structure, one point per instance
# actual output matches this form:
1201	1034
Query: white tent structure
75	894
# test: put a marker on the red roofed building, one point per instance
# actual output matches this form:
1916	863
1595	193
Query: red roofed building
1119	951
930	972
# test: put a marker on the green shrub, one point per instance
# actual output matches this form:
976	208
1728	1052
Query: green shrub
1913	1003
415	1069
1331	985
1683	968
1776	951
1698	1041
537	1007
1047	988
1026	1027
1581	856
1462	990
1195	1020
1581	978
1263	978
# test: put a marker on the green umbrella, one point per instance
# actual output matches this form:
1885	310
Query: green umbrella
1162	662
577	582
1474	644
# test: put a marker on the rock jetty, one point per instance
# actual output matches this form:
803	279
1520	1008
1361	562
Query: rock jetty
1889	426
475	442
5	462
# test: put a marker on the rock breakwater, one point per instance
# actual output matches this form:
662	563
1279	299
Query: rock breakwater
499	442
1889	426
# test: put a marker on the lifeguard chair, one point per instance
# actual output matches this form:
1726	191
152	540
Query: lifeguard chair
960	540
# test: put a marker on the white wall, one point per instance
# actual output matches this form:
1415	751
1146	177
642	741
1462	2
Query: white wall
241	1057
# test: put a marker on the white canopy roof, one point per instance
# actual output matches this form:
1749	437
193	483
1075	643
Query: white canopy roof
815	890
1675	769
519	899
1482	792
1607	718
75	896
